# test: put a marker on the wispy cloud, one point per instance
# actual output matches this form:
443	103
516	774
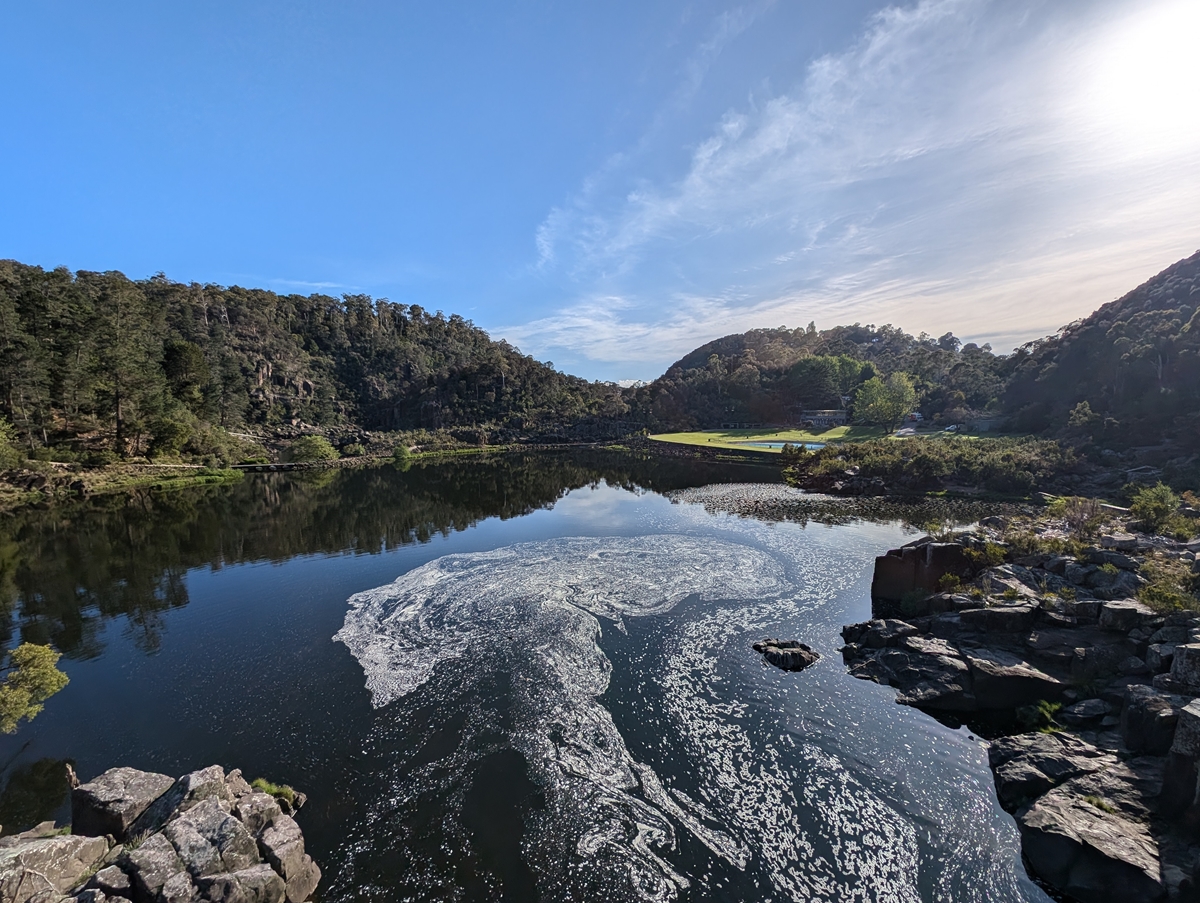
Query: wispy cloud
956	168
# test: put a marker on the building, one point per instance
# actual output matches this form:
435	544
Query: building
823	419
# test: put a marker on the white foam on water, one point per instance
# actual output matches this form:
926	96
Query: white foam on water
771	805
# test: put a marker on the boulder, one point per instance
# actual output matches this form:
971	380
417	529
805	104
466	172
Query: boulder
282	845
1133	665
1089	854
1124	615
210	841
885	632
188	791
1159	657
1002	680
1085	712
111	803
257	884
257	810
1121	542
112	882
48	866
1185	668
150	866
918	567
1148	721
1016	617
789	655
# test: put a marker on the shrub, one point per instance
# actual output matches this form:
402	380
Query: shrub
949	583
1039	716
311	448
353	450
1011	594
1154	506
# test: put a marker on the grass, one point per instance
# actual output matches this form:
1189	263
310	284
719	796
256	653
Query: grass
737	439
279	791
1101	804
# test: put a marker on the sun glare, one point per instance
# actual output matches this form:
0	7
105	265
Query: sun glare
1143	79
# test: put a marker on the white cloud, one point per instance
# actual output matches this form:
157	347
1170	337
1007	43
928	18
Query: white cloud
957	168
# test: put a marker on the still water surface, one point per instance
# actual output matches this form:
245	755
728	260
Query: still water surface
523	678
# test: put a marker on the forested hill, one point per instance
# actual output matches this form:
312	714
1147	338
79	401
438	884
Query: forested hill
1135	362
150	365
767	375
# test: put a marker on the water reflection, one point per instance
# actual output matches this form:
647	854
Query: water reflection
66	570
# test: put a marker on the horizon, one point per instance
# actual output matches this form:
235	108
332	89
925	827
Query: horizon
612	189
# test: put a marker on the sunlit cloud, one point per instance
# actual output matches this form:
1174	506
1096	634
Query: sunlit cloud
994	168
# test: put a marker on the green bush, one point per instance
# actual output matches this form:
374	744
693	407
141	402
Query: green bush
311	448
1154	506
353	450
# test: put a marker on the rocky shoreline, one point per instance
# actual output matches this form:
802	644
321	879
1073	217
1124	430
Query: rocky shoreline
207	837
1091	696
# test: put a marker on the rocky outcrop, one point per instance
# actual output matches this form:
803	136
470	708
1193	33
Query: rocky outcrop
1106	795
207	837
789	655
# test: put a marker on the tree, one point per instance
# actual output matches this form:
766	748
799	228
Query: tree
312	448
9	456
32	679
885	402
1154	506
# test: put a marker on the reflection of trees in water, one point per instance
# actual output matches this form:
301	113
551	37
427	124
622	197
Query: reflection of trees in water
65	570
33	793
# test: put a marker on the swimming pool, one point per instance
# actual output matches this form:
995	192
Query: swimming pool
811	446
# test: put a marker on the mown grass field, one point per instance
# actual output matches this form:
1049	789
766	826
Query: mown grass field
737	439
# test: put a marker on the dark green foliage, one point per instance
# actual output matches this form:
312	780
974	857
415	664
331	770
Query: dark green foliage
1154	506
1130	372
1007	466
136	365
9	455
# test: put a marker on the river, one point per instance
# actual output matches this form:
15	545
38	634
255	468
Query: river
518	678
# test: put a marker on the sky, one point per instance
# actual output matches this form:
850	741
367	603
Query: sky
611	185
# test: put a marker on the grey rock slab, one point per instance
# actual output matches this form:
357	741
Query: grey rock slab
1124	615
48	866
1121	542
1085	711
1092	855
1159	657
1025	766
301	885
1187	731
258	884
1185	666
886	632
112	802
1003	680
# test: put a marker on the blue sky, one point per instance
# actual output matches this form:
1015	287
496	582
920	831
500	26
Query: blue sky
610	185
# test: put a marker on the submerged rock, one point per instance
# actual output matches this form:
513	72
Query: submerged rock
789	655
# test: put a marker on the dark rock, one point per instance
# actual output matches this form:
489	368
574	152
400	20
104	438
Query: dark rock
1159	657
1148	721
112	802
48	866
786	654
1090	854
1133	665
1086	711
1123	615
886	632
1185	668
1018	617
1026	766
1002	680
920	567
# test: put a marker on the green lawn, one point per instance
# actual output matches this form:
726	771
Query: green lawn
737	439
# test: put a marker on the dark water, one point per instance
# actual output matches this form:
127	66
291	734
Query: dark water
542	686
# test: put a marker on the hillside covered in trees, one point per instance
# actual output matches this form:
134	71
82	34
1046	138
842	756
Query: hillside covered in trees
154	366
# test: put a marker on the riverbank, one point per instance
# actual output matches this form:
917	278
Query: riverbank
1036	637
